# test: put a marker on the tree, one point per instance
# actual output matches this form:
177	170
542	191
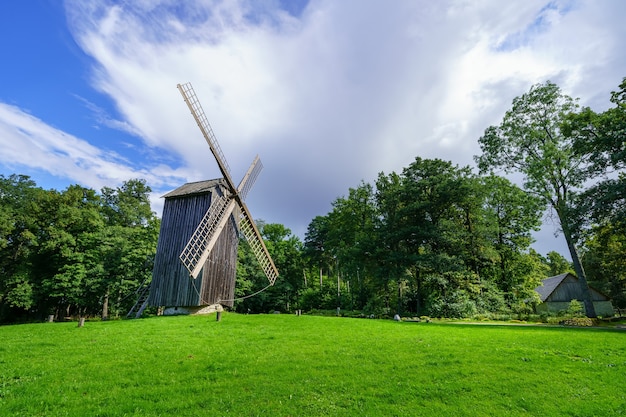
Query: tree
426	216
68	257
349	238
286	251
530	141
390	259
558	264
511	215
20	201
603	256
315	244
601	139
128	243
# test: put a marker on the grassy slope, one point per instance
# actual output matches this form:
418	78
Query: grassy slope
279	365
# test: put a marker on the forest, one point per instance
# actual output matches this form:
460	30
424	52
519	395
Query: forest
435	239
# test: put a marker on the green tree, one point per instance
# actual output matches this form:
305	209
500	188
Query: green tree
68	255
603	257
445	234
530	141
316	247
20	200
128	244
558	264
601	139
390	259
512	214
286	251
349	237
65	252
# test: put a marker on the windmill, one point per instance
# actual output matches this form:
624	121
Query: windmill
205	244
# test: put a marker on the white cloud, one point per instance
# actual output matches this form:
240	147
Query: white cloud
28	142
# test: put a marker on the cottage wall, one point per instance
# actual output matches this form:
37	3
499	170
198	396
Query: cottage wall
603	308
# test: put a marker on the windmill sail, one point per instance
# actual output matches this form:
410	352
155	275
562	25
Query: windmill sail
197	250
189	95
249	179
258	247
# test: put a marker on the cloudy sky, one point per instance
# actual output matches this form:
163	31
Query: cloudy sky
328	93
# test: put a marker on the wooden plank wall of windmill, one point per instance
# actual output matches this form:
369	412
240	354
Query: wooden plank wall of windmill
171	284
220	270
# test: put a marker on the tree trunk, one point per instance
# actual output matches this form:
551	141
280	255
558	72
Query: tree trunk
399	309
580	272
418	293
105	306
321	284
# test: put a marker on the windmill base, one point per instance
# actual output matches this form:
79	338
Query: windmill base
192	310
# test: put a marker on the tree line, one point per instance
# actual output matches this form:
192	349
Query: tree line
435	239
73	252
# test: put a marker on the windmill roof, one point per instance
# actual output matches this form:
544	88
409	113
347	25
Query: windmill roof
198	187
549	285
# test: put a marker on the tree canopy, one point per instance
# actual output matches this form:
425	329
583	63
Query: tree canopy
73	252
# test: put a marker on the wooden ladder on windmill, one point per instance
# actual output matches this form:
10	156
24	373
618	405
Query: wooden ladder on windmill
143	292
199	246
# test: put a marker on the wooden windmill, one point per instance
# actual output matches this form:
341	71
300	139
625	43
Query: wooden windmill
195	263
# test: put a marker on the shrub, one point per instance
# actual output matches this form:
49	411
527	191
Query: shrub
578	321
576	309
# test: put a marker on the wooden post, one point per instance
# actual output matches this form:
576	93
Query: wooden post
218	317
51	318
81	322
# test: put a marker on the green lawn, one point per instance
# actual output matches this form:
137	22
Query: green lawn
282	365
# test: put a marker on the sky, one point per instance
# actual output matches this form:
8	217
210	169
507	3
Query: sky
328	93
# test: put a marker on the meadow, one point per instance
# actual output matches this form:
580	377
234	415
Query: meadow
285	365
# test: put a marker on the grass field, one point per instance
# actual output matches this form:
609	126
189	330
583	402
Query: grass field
280	365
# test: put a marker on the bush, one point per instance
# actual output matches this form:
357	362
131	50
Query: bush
456	305
576	309
578	321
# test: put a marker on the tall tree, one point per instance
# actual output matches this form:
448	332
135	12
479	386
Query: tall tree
530	141
128	243
20	200
603	256
430	193
350	231
316	249
601	209
69	253
601	139
512	214
390	260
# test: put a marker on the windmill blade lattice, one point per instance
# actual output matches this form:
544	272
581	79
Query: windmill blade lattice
258	248
197	250
189	95
249	179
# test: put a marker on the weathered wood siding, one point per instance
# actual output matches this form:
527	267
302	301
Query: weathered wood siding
171	284
569	290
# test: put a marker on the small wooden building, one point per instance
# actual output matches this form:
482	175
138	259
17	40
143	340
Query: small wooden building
557	292
172	287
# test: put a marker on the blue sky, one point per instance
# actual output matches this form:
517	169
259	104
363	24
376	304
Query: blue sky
328	93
